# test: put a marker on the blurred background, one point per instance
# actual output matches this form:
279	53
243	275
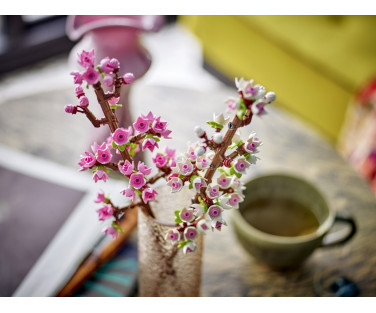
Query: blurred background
322	68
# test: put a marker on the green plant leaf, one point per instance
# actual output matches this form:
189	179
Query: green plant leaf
178	219
121	148
114	145
181	244
132	151
233	172
117	227
215	125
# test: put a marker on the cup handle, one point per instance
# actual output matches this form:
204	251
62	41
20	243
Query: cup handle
343	235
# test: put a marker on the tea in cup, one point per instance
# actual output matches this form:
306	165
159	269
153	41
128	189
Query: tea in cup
283	219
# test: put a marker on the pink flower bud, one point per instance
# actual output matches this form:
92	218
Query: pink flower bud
100	198
148	194
84	102
129	192
86	59
79	91
143	168
77	77
149	143
160	160
69	108
114	63
105	212
100	175
128	78
108	81
110	230
127	168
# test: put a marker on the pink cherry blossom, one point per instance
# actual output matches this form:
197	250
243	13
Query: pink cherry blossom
170	152
224	181
189	247
100	197
149	143
148	194
84	102
100	175
104	156
160	160
215	212
240	166
87	161
95	147
69	108
166	134
137	180
258	108
232	104
175	183
158	126
202	163
198	183
113	100
108	81
129	192
190	233
150	117
91	76
110	230
105	212
128	78
191	154
86	59
121	136
105	66
198	209
173	235
127	168
186	215
185	168
141	125
202	226
213	192
143	168
77	77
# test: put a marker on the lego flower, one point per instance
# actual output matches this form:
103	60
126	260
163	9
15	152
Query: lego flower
105	212
175	183
186	215
253	159
149	143
100	175
142	168
198	209
232	104
223	181
127	168
69	108
108	81
84	102
252	143
86	59
103	156
129	193
191	155
231	201
240	165
199	131
128	78
173	235
198	182
258	108
100	198
91	76
213	191
220	119
217	138
110	230
95	147
160	160
202	163
170	152
148	194
237	185
190	233
113	100
141	125
185	167
137	180
79	91
215	212
189	247
202	226
87	161
121	136
77	77
158	126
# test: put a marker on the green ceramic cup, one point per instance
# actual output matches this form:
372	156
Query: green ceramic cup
281	251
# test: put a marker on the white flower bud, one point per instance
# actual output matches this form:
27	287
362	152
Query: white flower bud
218	138
270	96
200	151
199	131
